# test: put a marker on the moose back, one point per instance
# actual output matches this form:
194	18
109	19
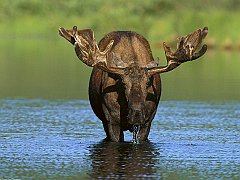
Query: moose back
125	84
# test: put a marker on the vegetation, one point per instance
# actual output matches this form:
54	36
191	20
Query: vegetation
158	20
36	62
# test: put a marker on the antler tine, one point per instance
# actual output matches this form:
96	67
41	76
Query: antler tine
87	49
86	46
186	48
66	34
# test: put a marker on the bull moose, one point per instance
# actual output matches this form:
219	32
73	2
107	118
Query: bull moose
125	84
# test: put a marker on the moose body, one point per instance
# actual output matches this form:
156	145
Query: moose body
128	99
125	85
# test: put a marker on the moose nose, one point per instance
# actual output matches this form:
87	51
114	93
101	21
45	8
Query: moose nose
136	116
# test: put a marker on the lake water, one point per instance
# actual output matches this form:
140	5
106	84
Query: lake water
49	69
56	139
48	130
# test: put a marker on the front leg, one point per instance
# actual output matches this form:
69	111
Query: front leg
145	129
112	125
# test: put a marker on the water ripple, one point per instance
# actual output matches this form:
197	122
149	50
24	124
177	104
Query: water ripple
63	139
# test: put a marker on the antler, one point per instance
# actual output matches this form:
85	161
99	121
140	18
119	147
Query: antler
186	48
86	46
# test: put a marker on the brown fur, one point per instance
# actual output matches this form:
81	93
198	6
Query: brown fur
113	96
125	86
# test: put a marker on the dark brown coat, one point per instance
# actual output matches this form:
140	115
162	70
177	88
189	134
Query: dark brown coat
125	86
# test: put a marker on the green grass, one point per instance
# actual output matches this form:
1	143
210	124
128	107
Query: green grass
157	20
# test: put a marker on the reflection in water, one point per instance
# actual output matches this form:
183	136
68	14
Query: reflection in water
123	160
33	72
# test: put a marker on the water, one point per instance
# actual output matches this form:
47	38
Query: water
56	139
48	68
195	134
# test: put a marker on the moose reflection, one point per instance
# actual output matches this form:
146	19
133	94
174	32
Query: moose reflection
125	86
111	160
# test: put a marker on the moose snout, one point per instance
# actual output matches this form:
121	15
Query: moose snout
136	116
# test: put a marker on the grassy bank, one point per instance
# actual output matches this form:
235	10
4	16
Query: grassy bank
158	20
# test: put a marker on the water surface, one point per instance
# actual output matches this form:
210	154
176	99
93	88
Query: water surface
47	67
195	133
55	139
